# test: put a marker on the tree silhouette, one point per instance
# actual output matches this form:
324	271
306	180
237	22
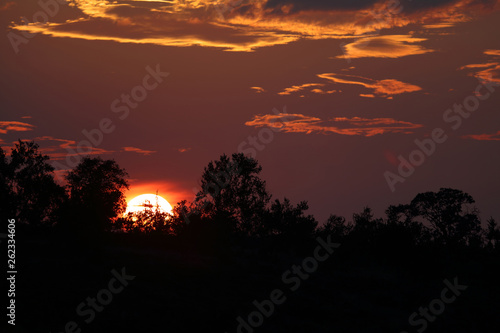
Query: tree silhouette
285	219
364	221
28	189
336	226
449	211
233	192
492	233
96	193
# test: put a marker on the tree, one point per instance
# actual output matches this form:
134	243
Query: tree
6	192
336	226
285	219
492	233
233	191
451	215
96	193
364	221
28	189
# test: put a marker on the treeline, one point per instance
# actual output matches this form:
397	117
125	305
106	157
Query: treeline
233	203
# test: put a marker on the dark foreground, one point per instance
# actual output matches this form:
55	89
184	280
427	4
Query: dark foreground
126	283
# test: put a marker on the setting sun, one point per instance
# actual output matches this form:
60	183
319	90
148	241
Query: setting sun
144	201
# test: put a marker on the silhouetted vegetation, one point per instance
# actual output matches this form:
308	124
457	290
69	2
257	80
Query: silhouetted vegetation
232	244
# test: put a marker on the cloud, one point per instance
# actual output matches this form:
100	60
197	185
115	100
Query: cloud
484	137
298	123
183	150
14	126
492	52
367	95
258	89
245	25
390	46
292	89
490	71
7	5
59	149
138	150
383	88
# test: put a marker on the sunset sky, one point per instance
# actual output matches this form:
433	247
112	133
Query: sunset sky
326	95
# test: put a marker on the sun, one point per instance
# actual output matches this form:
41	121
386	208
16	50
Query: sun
143	201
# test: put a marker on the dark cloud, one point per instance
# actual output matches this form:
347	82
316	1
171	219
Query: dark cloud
408	6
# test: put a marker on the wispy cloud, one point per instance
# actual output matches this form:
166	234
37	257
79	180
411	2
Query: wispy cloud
14	126
299	123
59	149
490	71
298	88
384	88
390	46
138	150
484	137
258	89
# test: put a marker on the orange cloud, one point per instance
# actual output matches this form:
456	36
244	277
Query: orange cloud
7	5
298	123
138	150
492	52
390	46
490	70
383	88
248	25
14	126
258	89
62	148
292	89
484	137
183	150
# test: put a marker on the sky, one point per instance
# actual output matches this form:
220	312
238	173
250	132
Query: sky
345	104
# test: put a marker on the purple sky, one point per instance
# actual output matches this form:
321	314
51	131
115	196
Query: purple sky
327	95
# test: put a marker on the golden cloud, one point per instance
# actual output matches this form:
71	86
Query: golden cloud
383	88
258	89
298	123
490	70
390	46
244	25
292	89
